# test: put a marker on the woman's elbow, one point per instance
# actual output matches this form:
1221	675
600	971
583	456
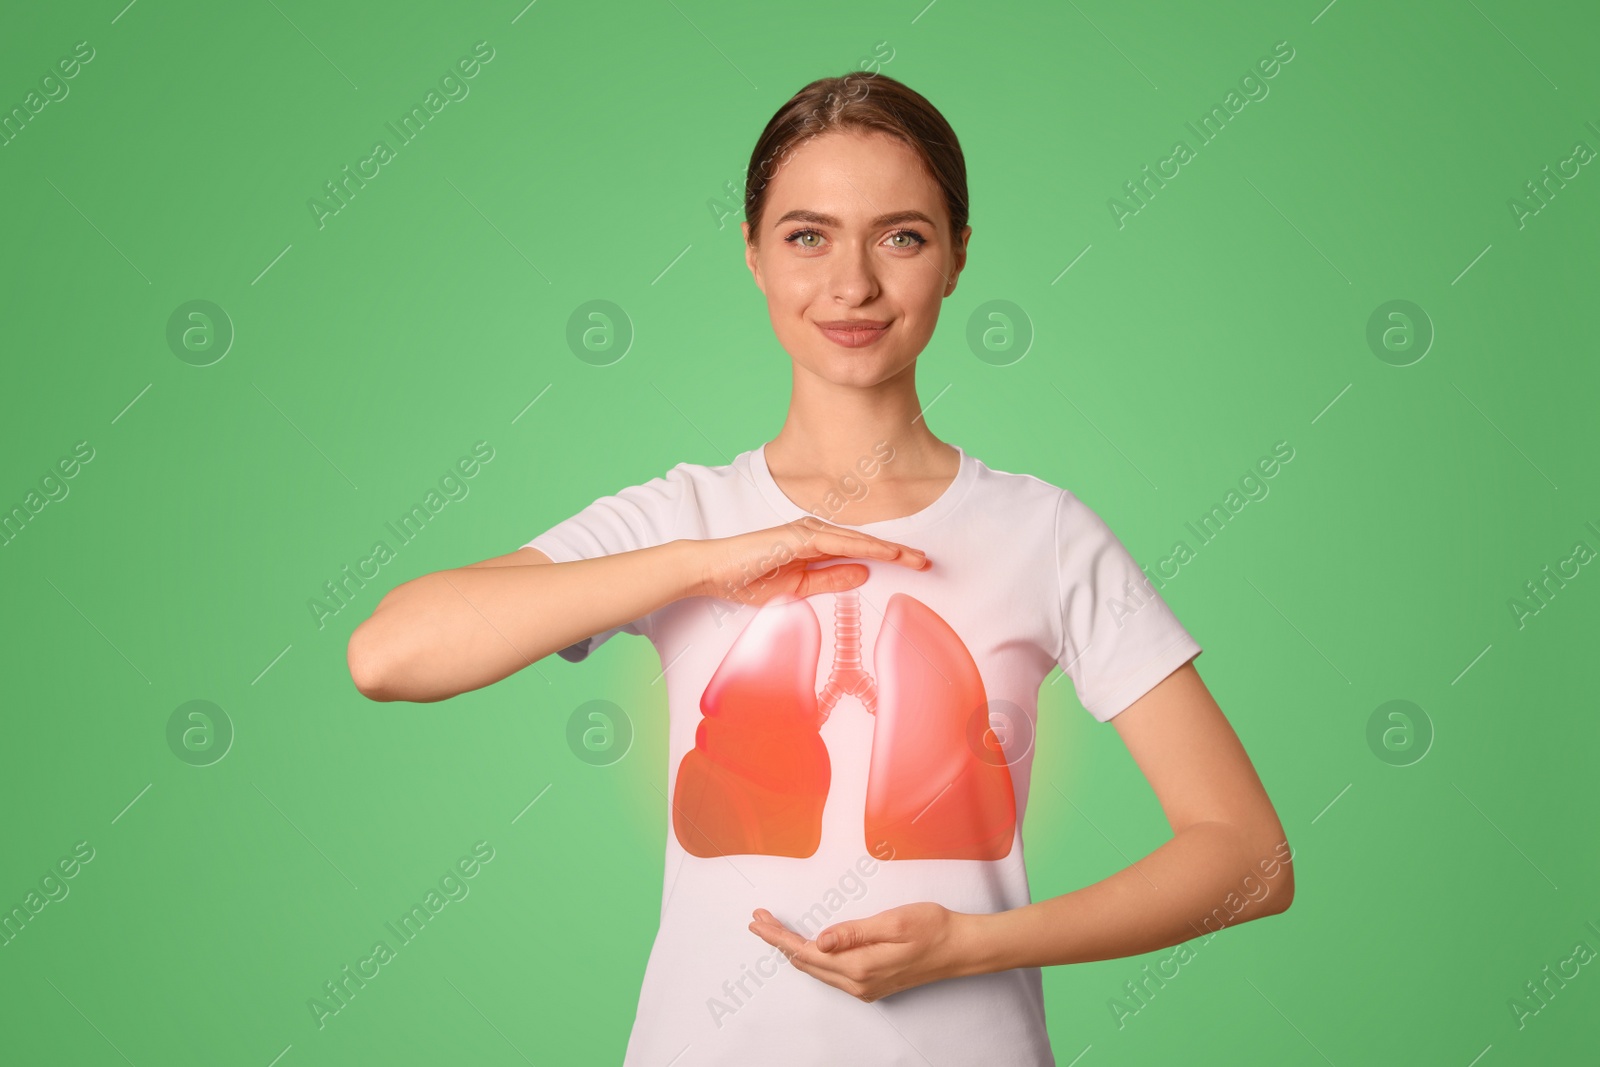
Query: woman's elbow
366	665
1277	866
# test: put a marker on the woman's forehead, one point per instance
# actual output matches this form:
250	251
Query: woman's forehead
853	179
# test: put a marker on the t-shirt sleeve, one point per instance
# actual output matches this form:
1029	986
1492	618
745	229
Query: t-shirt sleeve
638	516
1118	636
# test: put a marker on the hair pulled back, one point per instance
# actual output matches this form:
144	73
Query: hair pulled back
863	102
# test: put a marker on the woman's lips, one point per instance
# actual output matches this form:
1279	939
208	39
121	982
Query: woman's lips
853	334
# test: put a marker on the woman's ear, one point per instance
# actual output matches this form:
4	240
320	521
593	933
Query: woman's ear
961	259
750	256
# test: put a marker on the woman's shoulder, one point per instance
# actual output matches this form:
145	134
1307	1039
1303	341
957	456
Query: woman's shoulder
686	473
688	476
1020	486
1024	497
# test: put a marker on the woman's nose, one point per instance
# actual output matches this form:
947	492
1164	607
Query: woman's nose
853	280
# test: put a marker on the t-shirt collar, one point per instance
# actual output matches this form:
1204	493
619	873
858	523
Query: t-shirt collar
947	501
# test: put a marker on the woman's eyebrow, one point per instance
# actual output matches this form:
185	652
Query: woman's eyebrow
817	217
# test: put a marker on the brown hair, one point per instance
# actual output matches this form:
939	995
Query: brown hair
866	102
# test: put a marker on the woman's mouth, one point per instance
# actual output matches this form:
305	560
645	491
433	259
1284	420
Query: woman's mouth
853	333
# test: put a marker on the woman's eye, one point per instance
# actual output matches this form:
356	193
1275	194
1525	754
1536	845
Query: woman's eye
914	239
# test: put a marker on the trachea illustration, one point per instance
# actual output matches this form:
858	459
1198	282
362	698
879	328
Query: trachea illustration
848	677
757	778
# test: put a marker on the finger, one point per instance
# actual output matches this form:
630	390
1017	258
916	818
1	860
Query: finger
836	971
762	915
833	579
907	556
822	970
914	558
778	936
846	543
801	953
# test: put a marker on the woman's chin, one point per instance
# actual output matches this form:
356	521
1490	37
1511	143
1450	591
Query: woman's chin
857	371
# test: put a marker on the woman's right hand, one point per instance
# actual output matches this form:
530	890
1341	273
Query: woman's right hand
754	567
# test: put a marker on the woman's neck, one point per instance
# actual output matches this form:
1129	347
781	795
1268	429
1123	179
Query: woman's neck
861	478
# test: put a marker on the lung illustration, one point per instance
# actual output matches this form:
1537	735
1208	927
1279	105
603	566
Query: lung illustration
757	777
931	794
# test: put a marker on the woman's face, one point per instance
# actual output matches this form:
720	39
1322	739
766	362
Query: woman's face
854	230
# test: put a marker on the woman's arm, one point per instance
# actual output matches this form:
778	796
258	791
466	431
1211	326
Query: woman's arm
1228	861
461	629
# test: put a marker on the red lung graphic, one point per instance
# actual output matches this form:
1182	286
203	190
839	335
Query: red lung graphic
930	795
758	774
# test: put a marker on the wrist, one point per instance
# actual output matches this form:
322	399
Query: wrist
973	944
689	567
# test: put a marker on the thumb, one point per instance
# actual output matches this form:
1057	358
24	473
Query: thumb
842	936
837	578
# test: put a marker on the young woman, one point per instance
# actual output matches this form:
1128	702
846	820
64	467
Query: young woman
856	618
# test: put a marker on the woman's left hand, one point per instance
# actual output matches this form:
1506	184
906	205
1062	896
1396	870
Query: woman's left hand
882	954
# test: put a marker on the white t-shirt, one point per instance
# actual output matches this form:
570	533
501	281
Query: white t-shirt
921	797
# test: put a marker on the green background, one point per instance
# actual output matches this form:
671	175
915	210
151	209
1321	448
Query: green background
600	156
